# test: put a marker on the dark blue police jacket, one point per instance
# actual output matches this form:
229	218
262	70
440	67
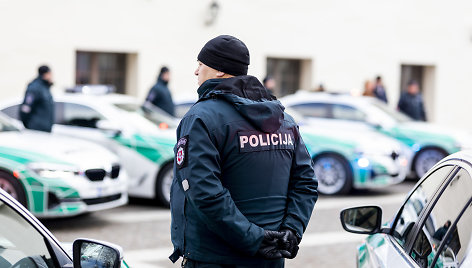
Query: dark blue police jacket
160	96
37	109
240	167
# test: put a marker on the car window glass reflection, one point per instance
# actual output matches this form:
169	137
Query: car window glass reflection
80	115
344	112
417	202
445	211
320	110
459	240
20	244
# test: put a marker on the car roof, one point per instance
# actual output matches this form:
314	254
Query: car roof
107	98
307	96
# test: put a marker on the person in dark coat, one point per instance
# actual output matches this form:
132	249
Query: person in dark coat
269	84
159	95
37	109
411	102
379	90
244	185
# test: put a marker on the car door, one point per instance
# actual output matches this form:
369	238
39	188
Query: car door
24	241
393	248
444	235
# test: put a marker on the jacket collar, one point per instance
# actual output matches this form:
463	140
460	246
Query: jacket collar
208	86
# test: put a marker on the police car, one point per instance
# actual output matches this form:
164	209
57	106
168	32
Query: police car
26	242
432	228
56	176
142	138
429	142
354	160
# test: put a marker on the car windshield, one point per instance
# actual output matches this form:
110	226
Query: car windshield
396	115
6	125
151	113
21	245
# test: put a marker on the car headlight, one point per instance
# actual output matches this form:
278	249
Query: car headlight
47	170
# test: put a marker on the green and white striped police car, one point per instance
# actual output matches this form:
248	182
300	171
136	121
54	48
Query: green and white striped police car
55	176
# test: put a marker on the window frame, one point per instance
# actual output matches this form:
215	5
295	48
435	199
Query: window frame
408	246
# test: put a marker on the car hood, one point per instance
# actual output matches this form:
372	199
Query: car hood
36	146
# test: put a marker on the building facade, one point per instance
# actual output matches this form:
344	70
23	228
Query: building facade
302	44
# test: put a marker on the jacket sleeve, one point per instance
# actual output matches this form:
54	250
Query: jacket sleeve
302	192
31	97
205	193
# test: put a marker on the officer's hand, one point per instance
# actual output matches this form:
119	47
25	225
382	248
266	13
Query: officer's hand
269	246
289	242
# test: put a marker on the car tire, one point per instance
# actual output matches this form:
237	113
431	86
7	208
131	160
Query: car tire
163	184
426	159
12	186
333	173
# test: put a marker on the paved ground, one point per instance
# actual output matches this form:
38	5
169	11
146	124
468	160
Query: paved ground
142	229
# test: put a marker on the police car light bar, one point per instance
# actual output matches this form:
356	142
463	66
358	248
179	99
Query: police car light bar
92	89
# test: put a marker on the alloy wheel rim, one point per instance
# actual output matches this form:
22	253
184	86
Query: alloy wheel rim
8	187
331	175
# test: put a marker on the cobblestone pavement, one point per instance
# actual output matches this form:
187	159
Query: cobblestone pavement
143	229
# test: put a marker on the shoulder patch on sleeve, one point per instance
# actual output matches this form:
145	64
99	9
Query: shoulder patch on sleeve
181	153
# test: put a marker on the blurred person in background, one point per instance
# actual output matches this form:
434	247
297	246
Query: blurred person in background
320	88
159	95
411	102
379	90
269	84
37	109
244	186
368	89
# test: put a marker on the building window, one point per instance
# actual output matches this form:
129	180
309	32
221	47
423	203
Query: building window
102	68
289	74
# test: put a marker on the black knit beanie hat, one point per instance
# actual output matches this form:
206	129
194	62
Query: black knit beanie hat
227	54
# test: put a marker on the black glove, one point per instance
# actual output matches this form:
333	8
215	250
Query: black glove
289	242
269	248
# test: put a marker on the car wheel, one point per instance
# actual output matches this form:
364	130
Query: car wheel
333	174
12	186
163	184
426	159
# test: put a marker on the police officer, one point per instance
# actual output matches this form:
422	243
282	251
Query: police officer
159	95
244	186
37	109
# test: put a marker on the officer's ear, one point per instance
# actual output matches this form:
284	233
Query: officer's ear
220	74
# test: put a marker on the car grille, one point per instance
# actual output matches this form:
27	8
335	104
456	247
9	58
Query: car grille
115	171
100	200
95	174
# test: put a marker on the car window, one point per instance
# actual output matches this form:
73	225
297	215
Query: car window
346	112
447	208
458	246
321	110
12	111
21	245
416	203
79	115
182	109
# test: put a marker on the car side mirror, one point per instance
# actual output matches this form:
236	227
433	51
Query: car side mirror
362	220
108	126
97	254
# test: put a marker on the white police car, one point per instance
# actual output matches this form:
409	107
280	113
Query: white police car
141	137
26	242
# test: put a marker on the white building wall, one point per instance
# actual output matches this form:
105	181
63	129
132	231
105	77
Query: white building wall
347	41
